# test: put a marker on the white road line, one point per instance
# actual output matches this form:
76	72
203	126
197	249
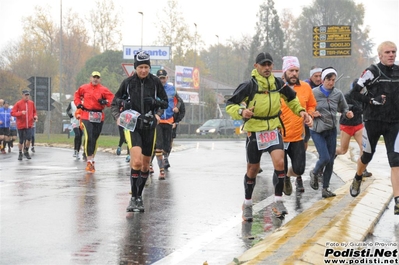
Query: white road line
202	241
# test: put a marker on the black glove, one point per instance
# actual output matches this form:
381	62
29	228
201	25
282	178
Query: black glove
103	101
148	120
70	115
125	104
152	102
80	106
378	100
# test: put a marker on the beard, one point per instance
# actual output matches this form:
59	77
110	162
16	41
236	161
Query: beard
291	81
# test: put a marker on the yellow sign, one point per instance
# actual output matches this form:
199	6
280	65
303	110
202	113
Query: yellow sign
332	41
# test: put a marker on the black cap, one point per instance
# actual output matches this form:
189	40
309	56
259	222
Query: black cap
26	92
264	57
161	73
141	58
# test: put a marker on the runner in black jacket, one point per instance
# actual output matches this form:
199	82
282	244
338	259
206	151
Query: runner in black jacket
378	88
143	93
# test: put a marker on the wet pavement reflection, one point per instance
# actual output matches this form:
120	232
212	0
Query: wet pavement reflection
53	212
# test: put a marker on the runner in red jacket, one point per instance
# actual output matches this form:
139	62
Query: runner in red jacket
92	98
25	113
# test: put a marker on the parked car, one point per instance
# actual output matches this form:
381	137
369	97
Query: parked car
217	126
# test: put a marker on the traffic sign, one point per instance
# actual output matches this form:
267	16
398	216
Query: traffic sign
128	68
237	123
332	41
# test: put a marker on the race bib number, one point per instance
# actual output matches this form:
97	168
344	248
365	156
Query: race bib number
128	119
265	139
95	116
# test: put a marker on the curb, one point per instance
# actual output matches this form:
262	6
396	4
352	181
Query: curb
303	240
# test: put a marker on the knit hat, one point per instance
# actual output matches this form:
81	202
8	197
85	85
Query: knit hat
290	61
141	58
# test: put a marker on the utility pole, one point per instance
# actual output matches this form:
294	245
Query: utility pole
142	23
217	83
200	94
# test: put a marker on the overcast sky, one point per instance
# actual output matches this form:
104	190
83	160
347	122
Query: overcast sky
227	19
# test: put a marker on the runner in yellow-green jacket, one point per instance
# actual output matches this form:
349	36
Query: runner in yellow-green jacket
257	102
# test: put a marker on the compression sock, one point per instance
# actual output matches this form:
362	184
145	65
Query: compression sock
357	177
249	185
278	190
133	181
159	159
142	180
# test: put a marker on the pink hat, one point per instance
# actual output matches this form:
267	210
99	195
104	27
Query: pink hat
290	61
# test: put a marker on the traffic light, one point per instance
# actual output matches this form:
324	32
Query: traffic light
32	84
41	92
51	104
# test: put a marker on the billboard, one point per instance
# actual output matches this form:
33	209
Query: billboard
187	77
189	97
155	52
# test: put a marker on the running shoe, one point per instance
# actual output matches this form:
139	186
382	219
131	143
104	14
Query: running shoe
314	180
279	209
33	149
74	153
247	212
151	170
3	151
20	156
9	149
287	186
90	167
128	158
162	174
26	154
396	208
299	185
367	174
355	187
327	193
132	205
246	233
139	204
77	156
118	151
84	157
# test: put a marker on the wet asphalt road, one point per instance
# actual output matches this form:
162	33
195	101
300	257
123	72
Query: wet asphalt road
52	212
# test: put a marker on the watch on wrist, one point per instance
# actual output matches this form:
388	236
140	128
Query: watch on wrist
240	111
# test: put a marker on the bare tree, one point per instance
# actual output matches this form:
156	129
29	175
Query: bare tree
174	33
288	27
106	23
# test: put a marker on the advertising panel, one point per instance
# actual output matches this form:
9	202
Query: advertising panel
187	77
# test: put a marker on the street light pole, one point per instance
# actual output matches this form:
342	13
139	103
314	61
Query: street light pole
142	23
60	66
195	45
217	83
201	114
